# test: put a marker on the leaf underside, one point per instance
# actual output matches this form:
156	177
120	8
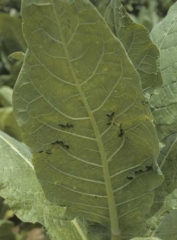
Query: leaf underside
79	103
164	101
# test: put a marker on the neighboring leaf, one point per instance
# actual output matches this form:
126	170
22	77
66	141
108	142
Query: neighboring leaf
6	230
135	38
5	96
79	103
23	193
165	195
164	101
17	55
6	4
11	40
10	79
167	229
8	123
11	33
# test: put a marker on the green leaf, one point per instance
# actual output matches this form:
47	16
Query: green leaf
11	41
17	55
6	96
165	199
11	34
166	194
79	103
164	101
23	193
8	123
135	38
167	229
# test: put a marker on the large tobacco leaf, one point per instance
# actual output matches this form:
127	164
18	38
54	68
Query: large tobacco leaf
79	103
164	101
135	38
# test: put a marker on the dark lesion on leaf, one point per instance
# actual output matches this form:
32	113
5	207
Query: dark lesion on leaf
59	142
48	151
110	116
146	169
41	151
62	125
121	131
67	125
140	171
130	178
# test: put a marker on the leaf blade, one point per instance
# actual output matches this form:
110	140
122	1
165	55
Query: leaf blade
89	152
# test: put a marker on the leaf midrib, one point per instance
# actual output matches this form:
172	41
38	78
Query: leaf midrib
109	191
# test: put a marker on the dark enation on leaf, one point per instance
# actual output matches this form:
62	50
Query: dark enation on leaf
110	116
140	171
121	131
130	178
48	151
67	125
61	143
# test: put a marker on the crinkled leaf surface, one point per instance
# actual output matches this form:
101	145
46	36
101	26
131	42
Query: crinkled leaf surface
23	193
164	101
79	103
167	229
166	195
135	38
